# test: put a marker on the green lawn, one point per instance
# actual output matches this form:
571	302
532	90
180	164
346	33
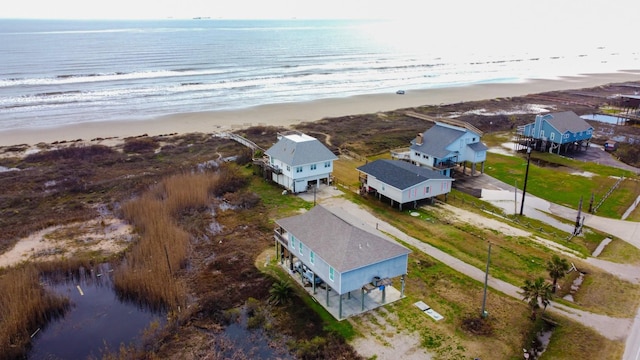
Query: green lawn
565	181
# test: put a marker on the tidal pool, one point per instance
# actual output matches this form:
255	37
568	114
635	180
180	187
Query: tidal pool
97	320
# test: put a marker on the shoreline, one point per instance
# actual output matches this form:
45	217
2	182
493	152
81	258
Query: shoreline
288	114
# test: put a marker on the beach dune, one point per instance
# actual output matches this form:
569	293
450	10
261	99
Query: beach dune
287	114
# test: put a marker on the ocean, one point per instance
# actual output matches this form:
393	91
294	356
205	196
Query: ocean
57	72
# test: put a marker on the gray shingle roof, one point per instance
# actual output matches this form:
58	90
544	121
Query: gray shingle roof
436	140
400	174
344	242
478	146
296	150
567	121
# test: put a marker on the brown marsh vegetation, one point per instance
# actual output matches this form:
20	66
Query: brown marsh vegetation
192	257
24	307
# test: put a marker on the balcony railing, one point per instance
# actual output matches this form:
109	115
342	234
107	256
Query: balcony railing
280	237
275	169
446	164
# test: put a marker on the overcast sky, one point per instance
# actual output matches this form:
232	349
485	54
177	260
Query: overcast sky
456	13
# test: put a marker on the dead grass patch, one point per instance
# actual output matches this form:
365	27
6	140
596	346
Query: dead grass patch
604	293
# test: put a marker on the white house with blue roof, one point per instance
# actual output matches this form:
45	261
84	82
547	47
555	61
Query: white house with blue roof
557	132
445	146
298	161
351	258
402	182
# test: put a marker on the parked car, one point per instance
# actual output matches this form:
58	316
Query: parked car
400	92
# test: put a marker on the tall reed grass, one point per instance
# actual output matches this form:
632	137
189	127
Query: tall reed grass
25	306
149	271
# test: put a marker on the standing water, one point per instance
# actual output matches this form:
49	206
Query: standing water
97	321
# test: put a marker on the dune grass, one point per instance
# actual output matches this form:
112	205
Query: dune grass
25	306
149	271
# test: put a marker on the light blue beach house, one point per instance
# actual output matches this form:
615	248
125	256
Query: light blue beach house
298	161
556	132
445	146
355	261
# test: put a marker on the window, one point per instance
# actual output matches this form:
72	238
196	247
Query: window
271	160
417	154
552	136
312	257
313	166
300	248
425	156
327	164
426	189
288	168
331	274
293	243
298	169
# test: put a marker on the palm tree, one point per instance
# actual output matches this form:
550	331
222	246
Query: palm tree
557	269
280	293
536	292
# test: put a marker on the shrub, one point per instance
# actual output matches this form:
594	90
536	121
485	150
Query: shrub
242	199
140	145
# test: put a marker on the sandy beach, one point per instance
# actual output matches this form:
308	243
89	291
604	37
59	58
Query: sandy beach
291	113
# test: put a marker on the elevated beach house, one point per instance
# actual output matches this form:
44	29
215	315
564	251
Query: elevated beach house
355	261
445	146
556	132
402	182
298	161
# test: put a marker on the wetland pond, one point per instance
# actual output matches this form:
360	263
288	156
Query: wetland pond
97	321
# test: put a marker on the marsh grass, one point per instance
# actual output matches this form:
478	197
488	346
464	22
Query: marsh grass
25	306
149	272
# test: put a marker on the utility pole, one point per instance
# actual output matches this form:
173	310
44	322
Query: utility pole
526	176
578	227
486	280
515	200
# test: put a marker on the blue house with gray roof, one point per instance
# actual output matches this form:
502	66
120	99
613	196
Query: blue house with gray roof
445	146
556	132
402	182
351	257
298	161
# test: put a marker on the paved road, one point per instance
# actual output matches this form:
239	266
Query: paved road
610	327
502	195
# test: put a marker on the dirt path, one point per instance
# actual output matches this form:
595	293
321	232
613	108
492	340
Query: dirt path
105	234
